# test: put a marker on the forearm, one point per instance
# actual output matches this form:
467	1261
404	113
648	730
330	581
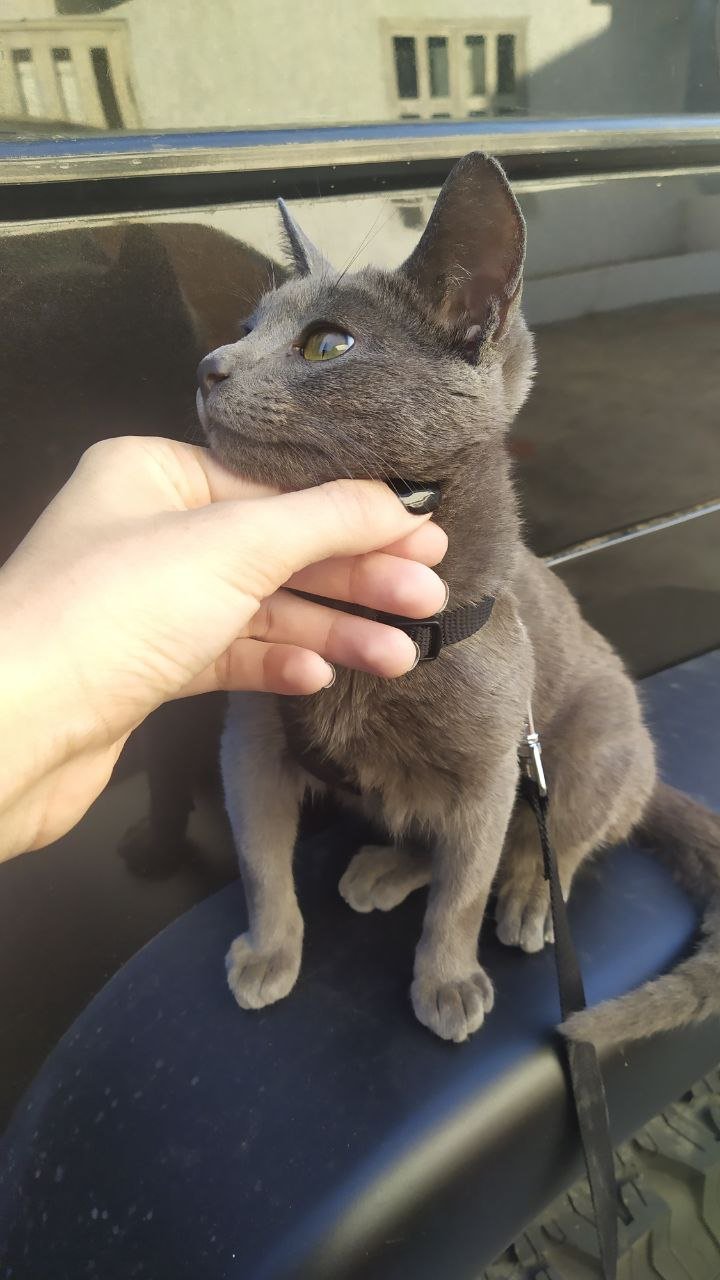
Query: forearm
43	725
43	810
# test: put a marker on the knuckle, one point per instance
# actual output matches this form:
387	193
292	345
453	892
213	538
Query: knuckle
258	563
264	621
360	577
104	455
355	502
223	668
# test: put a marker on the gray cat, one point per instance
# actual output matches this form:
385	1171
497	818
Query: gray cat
418	373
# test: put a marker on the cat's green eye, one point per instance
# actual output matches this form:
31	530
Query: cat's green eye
326	344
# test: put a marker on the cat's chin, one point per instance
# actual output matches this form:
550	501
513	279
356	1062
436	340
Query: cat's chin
283	466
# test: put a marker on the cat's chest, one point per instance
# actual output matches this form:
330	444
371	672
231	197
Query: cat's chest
393	750
333	733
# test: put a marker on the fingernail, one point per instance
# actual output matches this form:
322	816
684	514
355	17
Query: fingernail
416	498
417	658
333	676
447	596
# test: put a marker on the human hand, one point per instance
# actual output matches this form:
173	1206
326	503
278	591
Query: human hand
155	574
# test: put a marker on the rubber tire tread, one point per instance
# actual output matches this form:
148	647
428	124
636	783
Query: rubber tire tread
668	1211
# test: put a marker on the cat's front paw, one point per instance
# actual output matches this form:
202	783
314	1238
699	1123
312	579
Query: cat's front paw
523	915
257	978
453	1010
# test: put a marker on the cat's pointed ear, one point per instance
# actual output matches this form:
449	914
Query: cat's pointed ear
468	264
307	258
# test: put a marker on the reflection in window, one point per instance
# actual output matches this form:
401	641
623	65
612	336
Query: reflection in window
506	64
405	66
439	67
67	84
412	216
475	47
27	83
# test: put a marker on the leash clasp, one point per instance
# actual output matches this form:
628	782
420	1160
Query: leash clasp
531	755
533	761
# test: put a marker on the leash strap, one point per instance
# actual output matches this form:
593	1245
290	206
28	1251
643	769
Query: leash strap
586	1079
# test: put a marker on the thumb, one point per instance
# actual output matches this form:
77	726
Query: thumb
258	544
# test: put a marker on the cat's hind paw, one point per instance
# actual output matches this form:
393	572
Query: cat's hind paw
523	915
380	877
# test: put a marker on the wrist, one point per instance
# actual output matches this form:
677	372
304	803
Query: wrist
41	710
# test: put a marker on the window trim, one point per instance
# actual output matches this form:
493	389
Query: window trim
103	155
98	174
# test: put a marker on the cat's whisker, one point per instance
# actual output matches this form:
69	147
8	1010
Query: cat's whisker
249	296
374	234
375	470
366	242
359	249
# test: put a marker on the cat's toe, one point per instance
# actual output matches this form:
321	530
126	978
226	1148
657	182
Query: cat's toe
453	1010
508	922
523	918
357	882
532	932
259	978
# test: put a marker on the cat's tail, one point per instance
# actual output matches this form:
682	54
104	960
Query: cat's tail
686	837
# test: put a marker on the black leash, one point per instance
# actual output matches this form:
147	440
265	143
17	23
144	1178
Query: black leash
586	1079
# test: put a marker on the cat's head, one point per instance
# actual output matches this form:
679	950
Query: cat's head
382	374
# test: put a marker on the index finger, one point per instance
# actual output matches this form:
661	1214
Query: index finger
265	541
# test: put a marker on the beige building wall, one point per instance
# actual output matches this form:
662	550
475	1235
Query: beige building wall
26	10
204	64
232	64
315	62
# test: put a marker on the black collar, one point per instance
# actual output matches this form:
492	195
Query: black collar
431	635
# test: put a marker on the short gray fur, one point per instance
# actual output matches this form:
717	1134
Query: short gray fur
441	363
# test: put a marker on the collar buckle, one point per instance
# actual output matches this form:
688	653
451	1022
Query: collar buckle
435	638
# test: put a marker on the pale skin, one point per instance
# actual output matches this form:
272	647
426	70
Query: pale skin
154	575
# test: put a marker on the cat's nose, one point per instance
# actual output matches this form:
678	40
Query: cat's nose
213	369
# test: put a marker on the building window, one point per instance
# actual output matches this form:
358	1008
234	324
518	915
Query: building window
505	65
437	47
106	88
67	84
73	70
475	55
26	81
405	66
443	69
